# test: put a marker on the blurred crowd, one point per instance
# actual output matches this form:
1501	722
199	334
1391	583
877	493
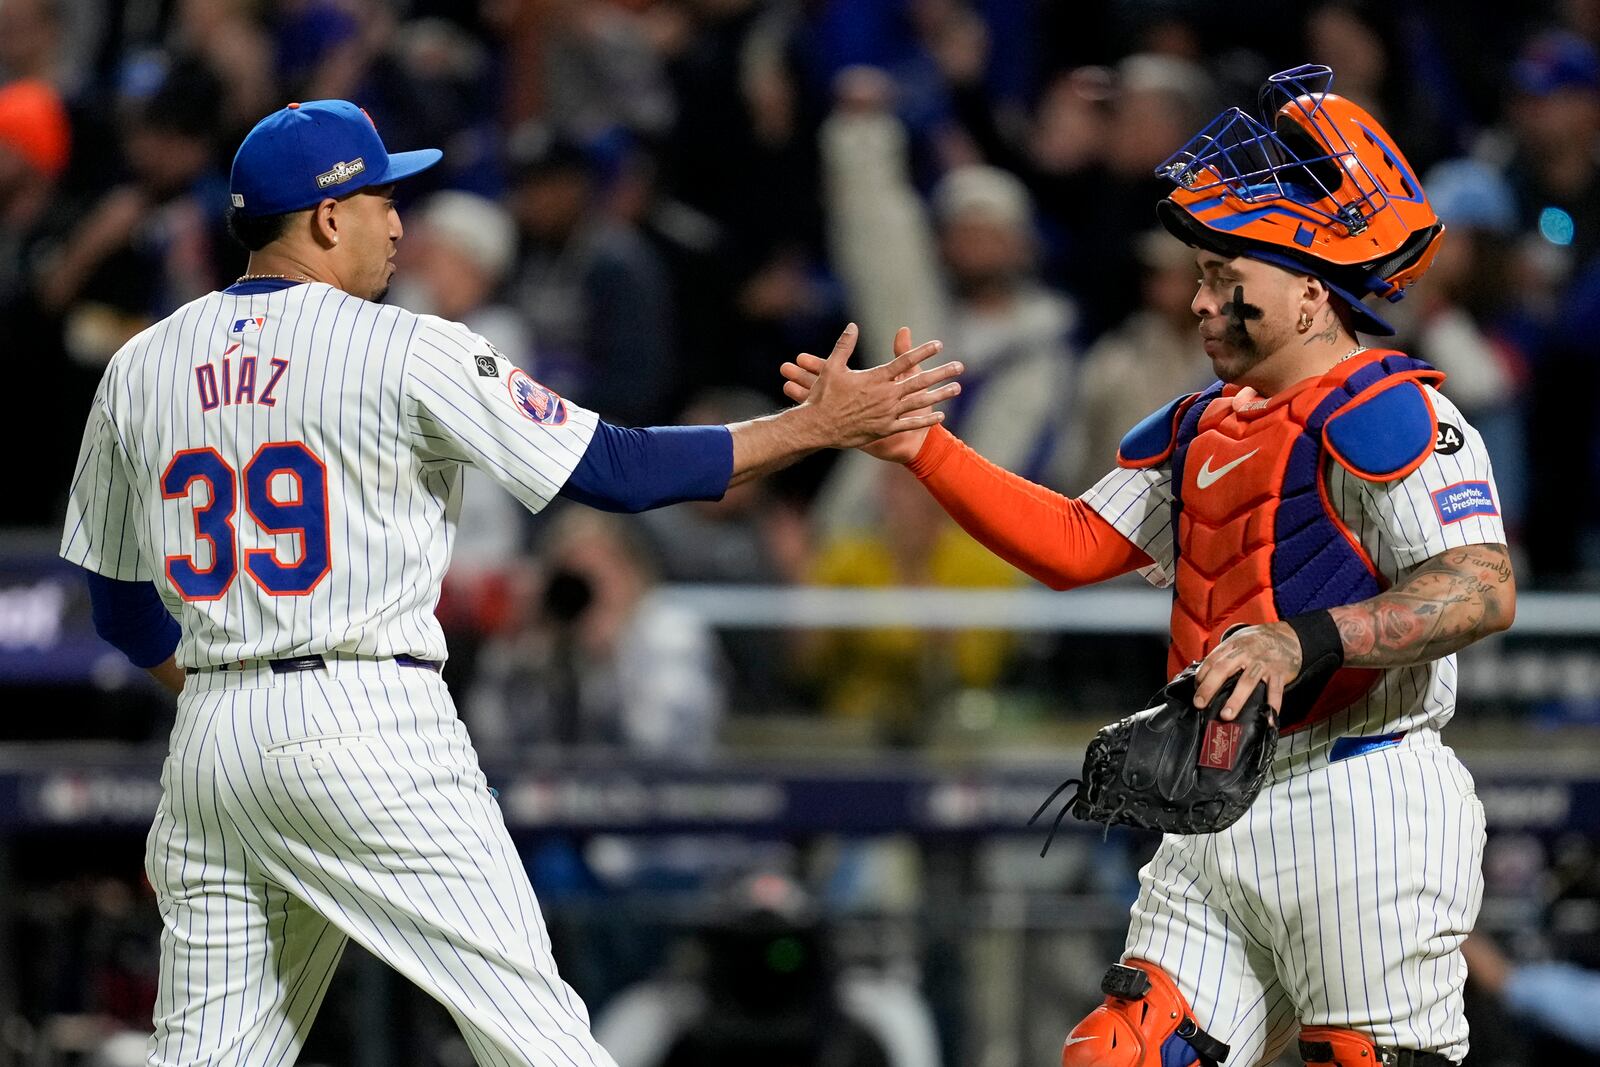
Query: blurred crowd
649	204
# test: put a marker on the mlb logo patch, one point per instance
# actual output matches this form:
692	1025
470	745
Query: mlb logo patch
1463	500
1219	749
249	325
534	400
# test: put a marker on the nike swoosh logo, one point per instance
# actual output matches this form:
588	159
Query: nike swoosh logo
1205	477
1074	1040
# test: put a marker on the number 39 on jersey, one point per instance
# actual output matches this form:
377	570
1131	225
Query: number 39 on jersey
285	492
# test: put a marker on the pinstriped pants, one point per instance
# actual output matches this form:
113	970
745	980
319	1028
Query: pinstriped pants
300	810
1340	899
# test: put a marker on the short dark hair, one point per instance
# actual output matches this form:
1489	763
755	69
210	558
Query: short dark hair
256	232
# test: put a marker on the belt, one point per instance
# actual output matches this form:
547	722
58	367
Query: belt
295	664
1322	1052
1347	747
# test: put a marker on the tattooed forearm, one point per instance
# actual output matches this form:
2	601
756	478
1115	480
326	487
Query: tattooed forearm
1447	603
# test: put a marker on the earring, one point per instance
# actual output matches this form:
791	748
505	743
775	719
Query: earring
1304	324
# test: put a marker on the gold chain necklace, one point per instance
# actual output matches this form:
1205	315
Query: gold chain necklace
264	277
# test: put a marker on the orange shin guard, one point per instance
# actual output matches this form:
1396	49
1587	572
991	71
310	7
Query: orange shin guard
1144	1022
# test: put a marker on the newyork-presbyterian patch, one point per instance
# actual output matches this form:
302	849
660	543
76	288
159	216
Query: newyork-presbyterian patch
1463	500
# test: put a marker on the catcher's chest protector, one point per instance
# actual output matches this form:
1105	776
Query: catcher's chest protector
1257	537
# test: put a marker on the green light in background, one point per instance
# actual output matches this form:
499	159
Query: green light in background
785	955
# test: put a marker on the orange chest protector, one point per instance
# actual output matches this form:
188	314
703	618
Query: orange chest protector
1257	537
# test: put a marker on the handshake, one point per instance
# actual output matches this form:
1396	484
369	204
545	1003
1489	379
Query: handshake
885	410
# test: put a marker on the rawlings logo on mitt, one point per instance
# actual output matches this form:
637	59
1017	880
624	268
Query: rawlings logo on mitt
1175	767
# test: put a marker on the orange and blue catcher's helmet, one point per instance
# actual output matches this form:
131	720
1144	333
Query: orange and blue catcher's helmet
1314	185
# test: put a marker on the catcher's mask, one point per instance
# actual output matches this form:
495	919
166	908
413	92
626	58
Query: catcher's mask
1314	185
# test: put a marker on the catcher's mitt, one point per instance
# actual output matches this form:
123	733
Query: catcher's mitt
1173	766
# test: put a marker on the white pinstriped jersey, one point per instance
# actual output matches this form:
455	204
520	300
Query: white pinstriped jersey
1400	525
286	468
1342	896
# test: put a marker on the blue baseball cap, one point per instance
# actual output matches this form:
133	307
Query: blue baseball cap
300	155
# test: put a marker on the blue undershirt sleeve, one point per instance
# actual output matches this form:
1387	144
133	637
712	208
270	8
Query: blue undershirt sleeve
637	469
131	617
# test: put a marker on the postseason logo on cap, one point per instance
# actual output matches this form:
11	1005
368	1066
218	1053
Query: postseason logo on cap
341	172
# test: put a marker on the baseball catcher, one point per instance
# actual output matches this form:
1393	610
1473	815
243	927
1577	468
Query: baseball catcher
1329	526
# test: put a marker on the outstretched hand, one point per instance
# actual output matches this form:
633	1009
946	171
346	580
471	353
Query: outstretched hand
809	377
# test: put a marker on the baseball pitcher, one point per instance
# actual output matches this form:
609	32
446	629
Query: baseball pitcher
265	501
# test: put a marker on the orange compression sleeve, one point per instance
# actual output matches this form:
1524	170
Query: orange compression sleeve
1058	540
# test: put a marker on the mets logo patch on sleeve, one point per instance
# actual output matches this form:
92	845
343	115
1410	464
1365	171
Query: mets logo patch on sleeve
534	400
1463	500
